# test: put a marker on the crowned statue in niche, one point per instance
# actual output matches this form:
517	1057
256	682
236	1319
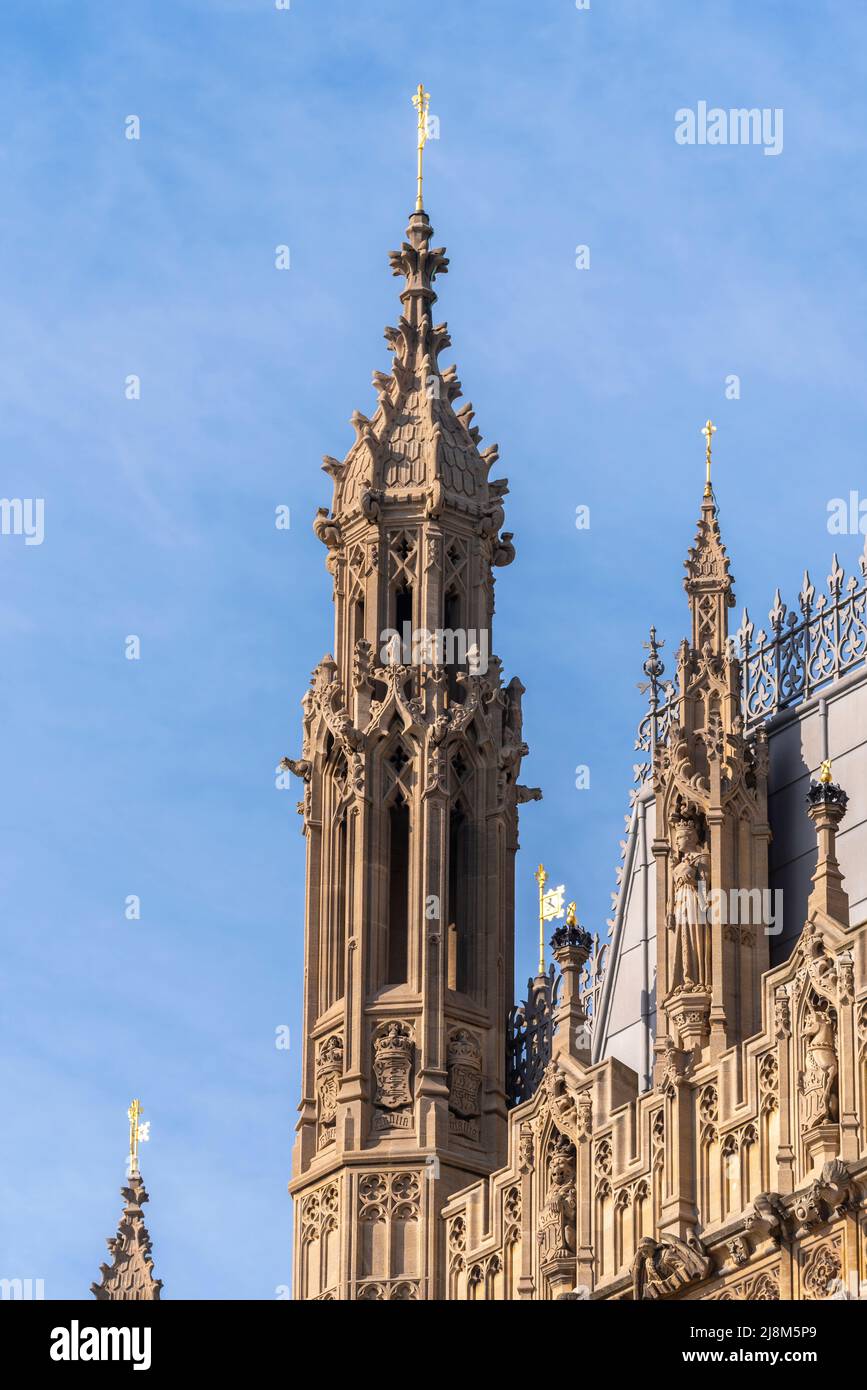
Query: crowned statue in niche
819	1102
691	968
556	1233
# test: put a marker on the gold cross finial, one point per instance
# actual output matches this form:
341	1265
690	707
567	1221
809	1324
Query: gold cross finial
541	878
134	1114
825	775
709	431
421	101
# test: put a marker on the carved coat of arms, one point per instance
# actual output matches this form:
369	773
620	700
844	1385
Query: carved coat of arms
392	1065
465	1073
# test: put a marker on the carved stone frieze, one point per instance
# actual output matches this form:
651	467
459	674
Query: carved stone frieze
762	1288
821	1270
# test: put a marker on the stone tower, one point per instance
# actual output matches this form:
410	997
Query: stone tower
411	750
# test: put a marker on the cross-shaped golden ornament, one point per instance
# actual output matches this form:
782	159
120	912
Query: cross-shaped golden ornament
421	102
134	1114
708	431
541	878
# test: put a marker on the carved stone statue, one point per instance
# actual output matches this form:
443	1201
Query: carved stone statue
561	1102
663	1267
819	1079
556	1233
691	969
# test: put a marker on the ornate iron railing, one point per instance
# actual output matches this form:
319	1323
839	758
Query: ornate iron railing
530	1026
591	980
529	1034
806	649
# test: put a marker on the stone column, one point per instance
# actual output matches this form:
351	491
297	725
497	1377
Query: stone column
847	1056
572	946
527	1164
785	1155
826	807
584	1189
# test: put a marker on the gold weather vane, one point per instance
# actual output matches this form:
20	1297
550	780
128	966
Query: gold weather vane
421	102
550	909
708	431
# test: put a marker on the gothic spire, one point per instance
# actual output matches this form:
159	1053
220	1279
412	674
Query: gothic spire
416	446
130	1275
708	582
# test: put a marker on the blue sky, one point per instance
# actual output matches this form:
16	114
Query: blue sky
156	257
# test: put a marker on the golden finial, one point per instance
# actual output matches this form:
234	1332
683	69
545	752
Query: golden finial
134	1114
541	878
571	918
709	431
825	772
421	101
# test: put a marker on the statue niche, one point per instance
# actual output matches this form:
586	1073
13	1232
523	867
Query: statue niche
556	1233
819	1099
688	919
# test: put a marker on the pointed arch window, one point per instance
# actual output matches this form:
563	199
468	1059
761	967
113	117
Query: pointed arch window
357	622
402	609
398	891
453	642
461	973
344	869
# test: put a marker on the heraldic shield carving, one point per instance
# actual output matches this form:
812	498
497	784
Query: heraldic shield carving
465	1082
392	1067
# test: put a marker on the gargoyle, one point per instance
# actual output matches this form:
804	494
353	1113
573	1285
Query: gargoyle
767	1218
300	766
524	794
504	551
326	528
